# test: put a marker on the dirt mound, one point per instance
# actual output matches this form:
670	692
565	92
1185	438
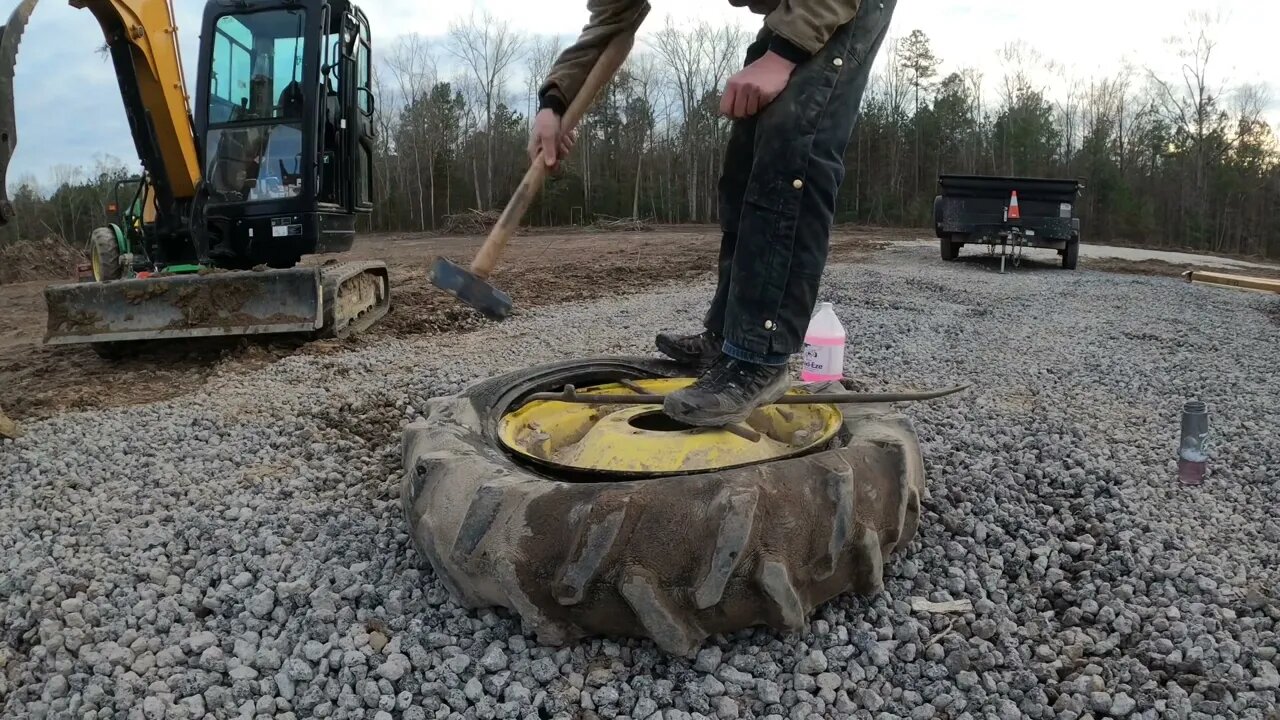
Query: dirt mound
44	259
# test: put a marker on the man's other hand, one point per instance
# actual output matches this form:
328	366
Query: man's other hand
755	86
547	139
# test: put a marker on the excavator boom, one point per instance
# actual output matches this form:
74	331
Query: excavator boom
10	37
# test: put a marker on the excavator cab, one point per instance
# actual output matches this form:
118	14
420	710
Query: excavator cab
283	116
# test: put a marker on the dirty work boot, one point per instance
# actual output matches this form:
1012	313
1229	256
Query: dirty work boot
727	393
697	351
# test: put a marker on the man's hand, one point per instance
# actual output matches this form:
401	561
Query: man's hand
547	139
755	86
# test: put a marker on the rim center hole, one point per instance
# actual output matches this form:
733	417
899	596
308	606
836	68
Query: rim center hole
657	422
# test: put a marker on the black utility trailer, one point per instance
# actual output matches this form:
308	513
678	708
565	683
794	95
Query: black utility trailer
976	209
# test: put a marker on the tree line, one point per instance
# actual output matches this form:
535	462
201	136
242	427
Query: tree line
1168	159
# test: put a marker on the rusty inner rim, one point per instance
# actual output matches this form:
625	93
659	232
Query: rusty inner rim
595	441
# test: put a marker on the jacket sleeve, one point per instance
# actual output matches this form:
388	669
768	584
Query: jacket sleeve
802	27
608	19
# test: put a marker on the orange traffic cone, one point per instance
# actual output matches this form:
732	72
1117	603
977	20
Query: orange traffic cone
1013	207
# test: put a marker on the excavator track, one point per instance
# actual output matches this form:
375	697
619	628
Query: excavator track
356	295
335	301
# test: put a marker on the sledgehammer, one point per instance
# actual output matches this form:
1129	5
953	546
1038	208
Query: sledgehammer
471	286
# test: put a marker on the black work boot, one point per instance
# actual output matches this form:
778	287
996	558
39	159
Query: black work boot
727	393
697	351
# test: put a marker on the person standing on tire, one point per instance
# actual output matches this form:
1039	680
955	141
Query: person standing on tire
794	105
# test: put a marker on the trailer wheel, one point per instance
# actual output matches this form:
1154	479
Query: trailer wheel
104	254
674	558
1071	254
950	247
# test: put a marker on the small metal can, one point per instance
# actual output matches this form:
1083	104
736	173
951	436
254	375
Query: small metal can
1193	448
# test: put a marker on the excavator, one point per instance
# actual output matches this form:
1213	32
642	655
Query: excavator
272	161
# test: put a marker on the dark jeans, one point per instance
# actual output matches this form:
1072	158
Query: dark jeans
782	170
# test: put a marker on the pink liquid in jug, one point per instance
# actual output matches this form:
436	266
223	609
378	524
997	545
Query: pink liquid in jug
823	347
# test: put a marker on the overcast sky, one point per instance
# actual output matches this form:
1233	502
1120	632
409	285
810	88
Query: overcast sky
69	108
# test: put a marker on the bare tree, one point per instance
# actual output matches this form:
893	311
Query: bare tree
973	78
543	51
915	55
386	116
1069	110
896	86
1191	105
1191	102
686	56
473	99
644	71
68	210
487	47
413	70
724	49
1249	102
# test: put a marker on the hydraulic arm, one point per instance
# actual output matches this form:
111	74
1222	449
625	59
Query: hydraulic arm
10	36
143	40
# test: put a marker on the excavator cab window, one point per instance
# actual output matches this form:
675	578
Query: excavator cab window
255	136
331	116
365	105
346	163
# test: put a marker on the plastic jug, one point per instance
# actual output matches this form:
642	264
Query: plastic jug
823	347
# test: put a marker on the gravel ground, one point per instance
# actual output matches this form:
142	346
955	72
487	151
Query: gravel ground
240	552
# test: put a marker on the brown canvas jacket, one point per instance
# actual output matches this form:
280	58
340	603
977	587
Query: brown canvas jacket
799	28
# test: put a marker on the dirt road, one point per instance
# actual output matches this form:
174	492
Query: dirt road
538	269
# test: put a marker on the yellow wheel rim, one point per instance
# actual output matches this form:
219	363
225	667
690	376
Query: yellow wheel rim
639	440
97	263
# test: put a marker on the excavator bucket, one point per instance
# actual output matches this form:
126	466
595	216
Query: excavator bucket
329	301
10	37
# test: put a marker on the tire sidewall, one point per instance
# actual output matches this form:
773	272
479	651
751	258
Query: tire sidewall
105	254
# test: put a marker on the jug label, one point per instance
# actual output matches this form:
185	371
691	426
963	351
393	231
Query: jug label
824	360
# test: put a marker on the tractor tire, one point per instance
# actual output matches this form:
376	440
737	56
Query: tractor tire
673	558
1071	254
104	255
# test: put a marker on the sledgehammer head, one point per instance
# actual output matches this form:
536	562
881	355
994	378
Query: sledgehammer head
464	285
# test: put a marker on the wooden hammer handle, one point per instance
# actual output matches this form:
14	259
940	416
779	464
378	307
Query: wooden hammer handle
615	53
